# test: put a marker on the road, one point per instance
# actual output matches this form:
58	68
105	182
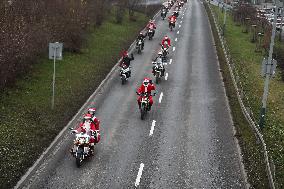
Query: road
186	141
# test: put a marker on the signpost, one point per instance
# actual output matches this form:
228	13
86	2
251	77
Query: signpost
270	64
55	53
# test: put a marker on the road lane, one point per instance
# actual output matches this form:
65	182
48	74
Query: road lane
191	142
195	143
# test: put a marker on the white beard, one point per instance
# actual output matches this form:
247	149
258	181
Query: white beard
87	126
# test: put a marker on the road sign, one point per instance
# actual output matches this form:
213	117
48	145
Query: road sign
55	53
55	49
268	68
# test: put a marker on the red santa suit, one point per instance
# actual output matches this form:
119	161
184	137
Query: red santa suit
151	25
164	42
146	89
89	128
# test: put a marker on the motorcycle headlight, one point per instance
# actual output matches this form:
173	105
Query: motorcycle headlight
82	140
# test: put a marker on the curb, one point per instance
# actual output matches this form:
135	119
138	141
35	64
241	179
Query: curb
43	156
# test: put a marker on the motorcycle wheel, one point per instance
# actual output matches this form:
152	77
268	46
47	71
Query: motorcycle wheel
79	157
143	112
171	27
157	78
123	80
139	50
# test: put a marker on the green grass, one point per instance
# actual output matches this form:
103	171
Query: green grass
27	124
248	65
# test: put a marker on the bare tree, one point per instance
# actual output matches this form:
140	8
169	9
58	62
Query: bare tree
27	26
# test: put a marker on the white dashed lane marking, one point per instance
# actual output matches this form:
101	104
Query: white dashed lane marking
152	129
161	97
139	174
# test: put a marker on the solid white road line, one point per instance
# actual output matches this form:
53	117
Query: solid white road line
139	174
166	77
161	97
176	39
177	32
174	48
170	61
152	129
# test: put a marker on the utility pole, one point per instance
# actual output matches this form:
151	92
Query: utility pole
268	71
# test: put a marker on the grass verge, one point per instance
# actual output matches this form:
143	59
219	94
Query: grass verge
251	151
248	66
27	124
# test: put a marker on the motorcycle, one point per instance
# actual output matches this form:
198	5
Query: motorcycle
145	104
163	14
150	34
124	73
176	13
172	25
81	149
158	69
139	46
165	51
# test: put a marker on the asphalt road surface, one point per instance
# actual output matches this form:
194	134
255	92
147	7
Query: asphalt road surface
186	141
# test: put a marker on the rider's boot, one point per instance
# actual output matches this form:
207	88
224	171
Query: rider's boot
149	107
163	72
92	148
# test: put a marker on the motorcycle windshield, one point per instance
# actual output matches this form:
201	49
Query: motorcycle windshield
159	61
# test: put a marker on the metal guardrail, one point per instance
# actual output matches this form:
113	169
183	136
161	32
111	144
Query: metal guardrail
241	95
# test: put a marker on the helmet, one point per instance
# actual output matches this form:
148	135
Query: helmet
146	82
87	117
166	37
91	111
125	53
151	21
141	33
